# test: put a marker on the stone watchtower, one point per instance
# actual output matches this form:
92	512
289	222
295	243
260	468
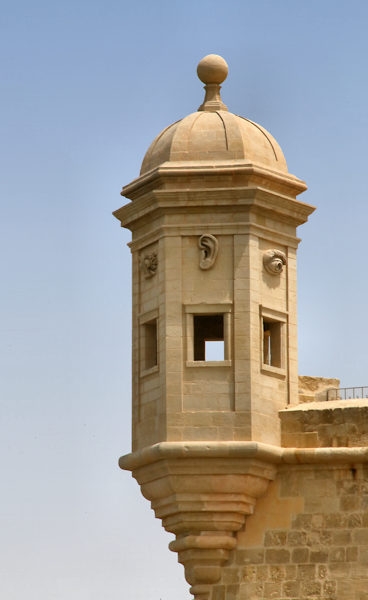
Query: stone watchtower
213	216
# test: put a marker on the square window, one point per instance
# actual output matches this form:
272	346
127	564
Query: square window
208	338
207	329
273	335
272	343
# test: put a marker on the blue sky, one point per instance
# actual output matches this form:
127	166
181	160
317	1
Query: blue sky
85	87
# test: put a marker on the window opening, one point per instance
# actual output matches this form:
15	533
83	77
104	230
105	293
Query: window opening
209	337
150	344
272	343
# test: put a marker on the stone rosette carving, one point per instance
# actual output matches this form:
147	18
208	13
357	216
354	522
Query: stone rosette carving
149	264
274	261
208	245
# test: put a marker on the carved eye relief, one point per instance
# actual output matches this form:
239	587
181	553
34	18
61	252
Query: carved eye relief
208	246
274	261
149	264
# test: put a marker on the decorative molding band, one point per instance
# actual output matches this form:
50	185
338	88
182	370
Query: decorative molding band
274	261
243	450
227	228
208	245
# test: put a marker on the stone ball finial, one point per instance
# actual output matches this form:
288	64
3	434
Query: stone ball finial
212	69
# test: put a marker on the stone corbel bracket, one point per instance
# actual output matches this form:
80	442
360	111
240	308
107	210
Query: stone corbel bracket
208	245
203	492
274	261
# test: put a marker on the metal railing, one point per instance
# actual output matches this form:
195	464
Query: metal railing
347	393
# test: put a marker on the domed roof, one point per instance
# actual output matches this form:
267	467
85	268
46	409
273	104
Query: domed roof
213	133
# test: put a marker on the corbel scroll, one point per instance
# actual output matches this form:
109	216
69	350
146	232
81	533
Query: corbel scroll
274	261
208	245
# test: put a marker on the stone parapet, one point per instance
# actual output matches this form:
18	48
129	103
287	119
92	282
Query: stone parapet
341	423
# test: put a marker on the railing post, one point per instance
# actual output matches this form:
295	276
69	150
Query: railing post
352	393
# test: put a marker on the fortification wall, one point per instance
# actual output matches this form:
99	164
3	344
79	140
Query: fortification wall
307	538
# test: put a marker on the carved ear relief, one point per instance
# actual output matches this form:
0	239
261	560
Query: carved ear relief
208	245
274	261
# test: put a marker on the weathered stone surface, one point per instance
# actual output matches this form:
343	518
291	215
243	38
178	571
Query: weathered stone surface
332	563
314	389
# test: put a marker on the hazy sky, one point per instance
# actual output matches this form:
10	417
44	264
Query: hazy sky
85	87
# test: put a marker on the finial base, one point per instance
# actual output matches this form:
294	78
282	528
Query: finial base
212	100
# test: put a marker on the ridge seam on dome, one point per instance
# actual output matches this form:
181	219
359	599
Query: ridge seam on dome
225	132
261	130
194	120
166	129
190	129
